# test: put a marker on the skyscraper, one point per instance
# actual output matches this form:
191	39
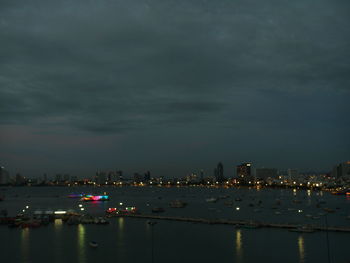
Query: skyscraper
4	176
219	173
342	170
244	172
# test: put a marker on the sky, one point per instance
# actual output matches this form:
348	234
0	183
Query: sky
173	86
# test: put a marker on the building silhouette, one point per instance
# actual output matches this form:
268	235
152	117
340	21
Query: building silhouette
219	173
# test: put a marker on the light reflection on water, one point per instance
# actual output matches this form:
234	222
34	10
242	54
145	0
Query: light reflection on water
58	224
239	249
81	243
121	223
25	245
301	249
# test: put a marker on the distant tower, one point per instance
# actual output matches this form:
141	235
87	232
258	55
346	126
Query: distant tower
219	173
201	175
147	176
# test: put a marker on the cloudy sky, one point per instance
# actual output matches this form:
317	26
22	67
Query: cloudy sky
173	86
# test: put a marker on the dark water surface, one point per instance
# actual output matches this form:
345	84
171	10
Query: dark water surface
130	240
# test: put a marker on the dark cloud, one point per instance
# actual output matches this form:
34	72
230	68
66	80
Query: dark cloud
116	67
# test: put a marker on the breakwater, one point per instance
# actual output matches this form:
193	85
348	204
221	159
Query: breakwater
238	223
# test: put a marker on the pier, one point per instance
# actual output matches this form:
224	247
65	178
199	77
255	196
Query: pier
235	222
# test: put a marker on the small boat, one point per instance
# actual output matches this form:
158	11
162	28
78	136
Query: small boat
329	210
211	200
157	210
177	204
278	213
152	223
93	244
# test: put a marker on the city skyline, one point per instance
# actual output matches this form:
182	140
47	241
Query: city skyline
168	87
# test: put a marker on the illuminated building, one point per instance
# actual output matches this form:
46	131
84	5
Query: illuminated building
244	172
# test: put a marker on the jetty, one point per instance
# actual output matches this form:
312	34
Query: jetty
234	222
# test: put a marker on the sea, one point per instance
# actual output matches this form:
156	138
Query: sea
130	240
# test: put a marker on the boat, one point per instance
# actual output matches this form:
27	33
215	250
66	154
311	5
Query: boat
329	210
95	198
75	195
100	221
303	229
157	210
211	200
177	204
340	192
93	244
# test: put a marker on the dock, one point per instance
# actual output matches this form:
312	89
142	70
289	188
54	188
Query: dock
235	222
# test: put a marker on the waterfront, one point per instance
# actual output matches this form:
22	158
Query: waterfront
129	239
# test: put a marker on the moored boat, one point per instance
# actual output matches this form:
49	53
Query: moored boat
177	204
95	198
93	244
157	209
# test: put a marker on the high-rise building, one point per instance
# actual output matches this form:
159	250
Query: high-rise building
137	178
66	177
19	179
147	176
58	178
293	174
244	172
120	175
264	173
219	173
342	170
4	176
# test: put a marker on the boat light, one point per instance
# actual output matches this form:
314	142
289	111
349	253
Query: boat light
60	212
237	208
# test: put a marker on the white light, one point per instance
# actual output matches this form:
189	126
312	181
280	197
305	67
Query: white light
80	205
23	210
299	211
120	203
27	206
82	209
237	208
60	212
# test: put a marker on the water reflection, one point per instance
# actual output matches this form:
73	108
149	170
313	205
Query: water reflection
239	249
58	223
301	249
81	243
25	245
121	223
